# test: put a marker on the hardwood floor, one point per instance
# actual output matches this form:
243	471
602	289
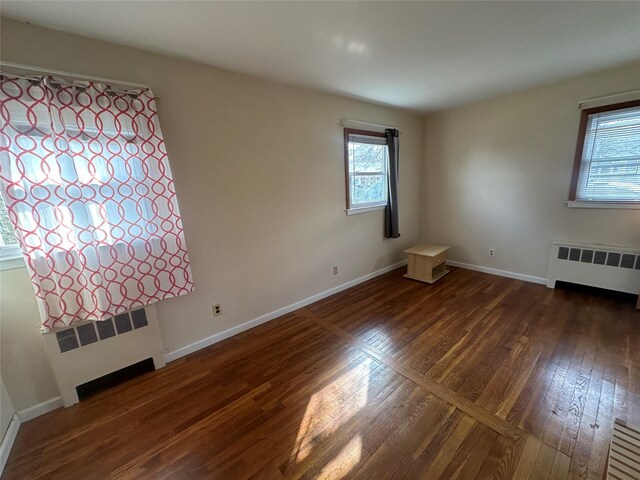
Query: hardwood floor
476	376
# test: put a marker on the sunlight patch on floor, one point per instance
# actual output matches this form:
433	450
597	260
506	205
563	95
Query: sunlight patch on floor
330	408
344	462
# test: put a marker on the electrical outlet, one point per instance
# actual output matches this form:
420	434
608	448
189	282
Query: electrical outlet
217	309
492	252
335	269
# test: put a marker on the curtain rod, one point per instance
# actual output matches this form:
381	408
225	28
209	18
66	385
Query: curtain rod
70	74
345	121
606	97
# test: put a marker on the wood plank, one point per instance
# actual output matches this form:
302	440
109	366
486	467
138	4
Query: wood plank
495	423
475	376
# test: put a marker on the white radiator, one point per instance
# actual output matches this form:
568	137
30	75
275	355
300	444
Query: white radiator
91	350
603	266
623	462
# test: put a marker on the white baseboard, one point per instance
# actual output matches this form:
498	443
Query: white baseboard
8	439
218	337
501	273
40	409
56	402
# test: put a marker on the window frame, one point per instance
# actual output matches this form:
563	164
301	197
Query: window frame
577	162
370	207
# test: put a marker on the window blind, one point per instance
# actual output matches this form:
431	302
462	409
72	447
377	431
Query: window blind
610	167
366	139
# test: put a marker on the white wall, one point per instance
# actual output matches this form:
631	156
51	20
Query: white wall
24	366
6	409
259	173
496	175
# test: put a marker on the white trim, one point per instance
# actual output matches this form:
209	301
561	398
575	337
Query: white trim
218	337
501	273
8	440
622	206
609	99
355	211
11	257
11	263
40	409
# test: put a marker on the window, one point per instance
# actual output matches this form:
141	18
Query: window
367	160
607	164
10	254
88	187
99	198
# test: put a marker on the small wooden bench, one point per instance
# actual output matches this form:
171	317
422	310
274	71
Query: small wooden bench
427	263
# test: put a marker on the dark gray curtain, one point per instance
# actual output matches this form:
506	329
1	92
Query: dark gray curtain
391	227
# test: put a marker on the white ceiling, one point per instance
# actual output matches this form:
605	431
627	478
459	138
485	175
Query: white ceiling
418	55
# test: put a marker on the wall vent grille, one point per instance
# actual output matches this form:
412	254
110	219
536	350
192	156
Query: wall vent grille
599	257
75	337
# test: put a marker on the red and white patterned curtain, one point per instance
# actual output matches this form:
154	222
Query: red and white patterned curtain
86	181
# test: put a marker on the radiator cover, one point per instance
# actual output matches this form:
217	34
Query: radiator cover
604	266
90	350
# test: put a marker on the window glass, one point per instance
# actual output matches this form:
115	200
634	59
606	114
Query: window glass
7	235
367	163
610	157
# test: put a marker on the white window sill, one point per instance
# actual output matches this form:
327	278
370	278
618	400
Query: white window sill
355	211
620	205
11	257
